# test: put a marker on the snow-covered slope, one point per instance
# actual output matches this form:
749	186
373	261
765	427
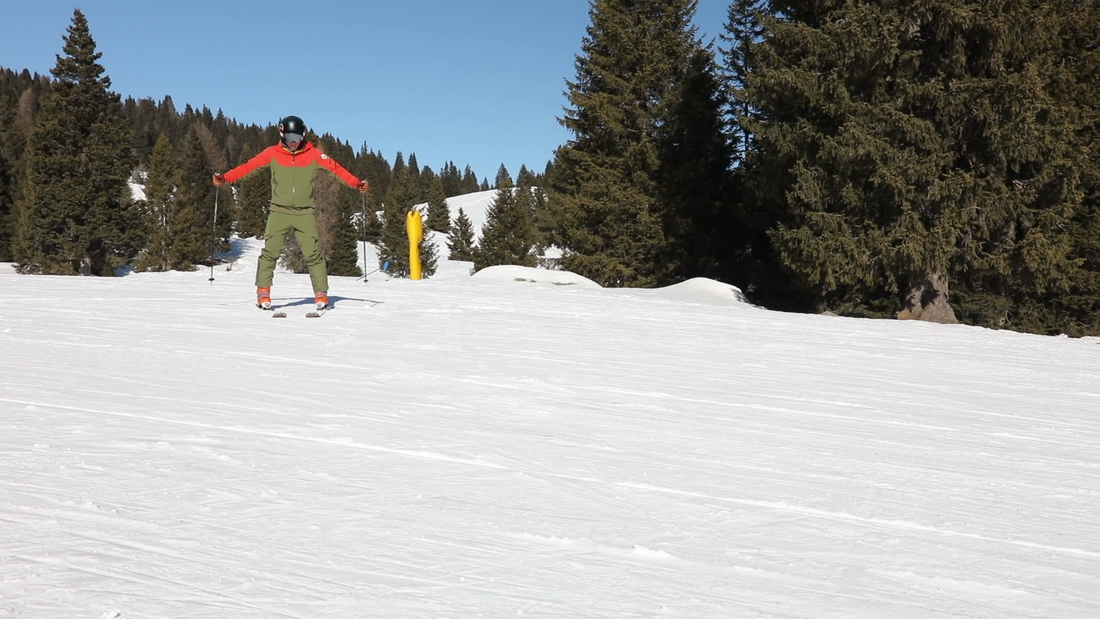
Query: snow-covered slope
474	205
523	444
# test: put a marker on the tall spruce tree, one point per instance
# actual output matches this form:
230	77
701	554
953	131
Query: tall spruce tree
403	195
161	181
439	214
377	171
429	256
508	236
17	113
469	182
452	179
461	244
343	258
548	214
1077	312
414	172
191	220
903	146
8	159
701	228
743	30
1021	166
370	224
427	179
341	252
542	218
633	59
394	245
749	256
78	216
7	207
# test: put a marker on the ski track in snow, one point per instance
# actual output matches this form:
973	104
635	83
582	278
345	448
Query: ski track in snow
463	448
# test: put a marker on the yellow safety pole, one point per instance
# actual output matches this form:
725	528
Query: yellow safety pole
415	227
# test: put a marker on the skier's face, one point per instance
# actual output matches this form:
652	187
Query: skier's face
293	140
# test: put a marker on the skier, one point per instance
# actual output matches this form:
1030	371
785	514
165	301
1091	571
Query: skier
292	161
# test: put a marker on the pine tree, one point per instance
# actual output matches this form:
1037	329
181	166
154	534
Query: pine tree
1077	312
371	228
9	154
343	258
7	208
140	115
508	236
253	197
439	214
414	172
461	244
428	178
632	60
399	168
548	215
452	180
78	215
191	220
469	182
905	147
700	225
167	121
376	170
18	109
394	246
429	258
748	259
160	187
743	29
503	179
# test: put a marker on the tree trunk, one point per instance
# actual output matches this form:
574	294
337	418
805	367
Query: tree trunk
927	300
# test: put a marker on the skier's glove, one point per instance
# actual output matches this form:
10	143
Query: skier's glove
219	179
363	186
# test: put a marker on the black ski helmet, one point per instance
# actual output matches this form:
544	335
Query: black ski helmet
292	124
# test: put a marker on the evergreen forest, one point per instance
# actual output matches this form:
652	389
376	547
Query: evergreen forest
928	159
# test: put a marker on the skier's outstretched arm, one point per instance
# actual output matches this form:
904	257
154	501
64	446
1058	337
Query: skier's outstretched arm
259	161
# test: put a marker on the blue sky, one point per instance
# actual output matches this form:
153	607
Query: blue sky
478	82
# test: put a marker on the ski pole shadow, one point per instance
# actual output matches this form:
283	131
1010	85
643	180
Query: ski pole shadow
279	303
335	300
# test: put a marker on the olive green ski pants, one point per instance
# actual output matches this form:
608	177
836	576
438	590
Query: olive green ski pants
305	230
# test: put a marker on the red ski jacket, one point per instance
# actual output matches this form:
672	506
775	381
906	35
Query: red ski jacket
292	175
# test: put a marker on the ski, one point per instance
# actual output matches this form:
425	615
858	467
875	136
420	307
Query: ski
279	313
275	313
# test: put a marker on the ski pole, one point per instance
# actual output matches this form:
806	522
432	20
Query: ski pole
385	266
214	233
363	237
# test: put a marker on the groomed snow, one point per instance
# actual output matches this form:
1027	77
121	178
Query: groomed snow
515	445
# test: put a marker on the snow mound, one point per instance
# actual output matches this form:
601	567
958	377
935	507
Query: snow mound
698	290
703	290
533	275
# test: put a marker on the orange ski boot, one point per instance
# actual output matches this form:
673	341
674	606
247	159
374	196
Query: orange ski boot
263	298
